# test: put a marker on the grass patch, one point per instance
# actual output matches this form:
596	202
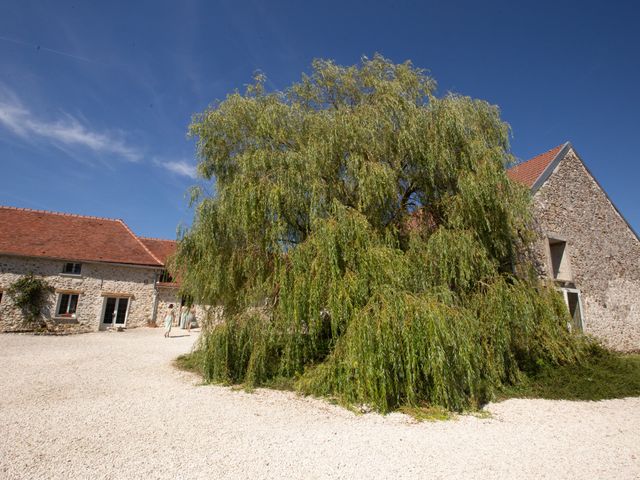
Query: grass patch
481	414
602	376
191	362
281	383
428	413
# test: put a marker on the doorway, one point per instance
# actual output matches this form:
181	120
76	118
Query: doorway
115	312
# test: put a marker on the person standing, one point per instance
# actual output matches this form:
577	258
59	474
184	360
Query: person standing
191	317
168	321
183	318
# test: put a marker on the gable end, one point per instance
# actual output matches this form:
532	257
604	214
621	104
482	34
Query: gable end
552	167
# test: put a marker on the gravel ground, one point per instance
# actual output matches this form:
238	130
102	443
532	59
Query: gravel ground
110	405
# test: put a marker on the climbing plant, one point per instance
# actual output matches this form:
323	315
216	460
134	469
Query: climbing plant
366	243
28	293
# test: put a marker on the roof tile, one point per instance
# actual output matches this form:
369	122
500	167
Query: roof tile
529	171
160	248
39	233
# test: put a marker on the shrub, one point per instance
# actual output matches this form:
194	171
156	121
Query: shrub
28	293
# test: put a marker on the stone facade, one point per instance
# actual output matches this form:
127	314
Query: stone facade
95	284
603	252
168	294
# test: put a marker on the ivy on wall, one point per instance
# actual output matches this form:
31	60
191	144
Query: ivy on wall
29	295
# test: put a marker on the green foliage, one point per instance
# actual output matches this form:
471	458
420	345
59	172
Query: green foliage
362	239
604	375
29	294
191	362
426	413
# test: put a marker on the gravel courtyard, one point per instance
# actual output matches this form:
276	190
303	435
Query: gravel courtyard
110	405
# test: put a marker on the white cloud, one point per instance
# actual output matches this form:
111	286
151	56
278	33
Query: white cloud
71	134
66	130
180	168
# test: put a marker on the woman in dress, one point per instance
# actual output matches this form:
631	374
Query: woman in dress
168	321
183	318
191	318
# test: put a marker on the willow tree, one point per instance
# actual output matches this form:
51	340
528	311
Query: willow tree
364	239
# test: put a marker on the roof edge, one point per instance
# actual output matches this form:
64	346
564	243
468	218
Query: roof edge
617	210
156	239
62	214
82	260
140	242
546	173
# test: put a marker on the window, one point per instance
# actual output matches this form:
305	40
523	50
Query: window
186	300
72	268
165	277
573	300
67	305
560	267
115	311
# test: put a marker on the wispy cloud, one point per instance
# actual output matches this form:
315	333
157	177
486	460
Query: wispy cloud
73	135
45	49
181	167
66	130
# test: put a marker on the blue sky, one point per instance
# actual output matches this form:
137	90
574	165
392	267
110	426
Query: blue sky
96	97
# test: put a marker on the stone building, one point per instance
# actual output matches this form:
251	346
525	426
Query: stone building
585	246
103	275
166	287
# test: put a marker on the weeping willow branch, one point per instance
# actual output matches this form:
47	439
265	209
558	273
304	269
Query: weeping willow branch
361	240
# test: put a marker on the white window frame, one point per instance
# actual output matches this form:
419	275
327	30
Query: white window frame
71	274
104	308
565	295
74	315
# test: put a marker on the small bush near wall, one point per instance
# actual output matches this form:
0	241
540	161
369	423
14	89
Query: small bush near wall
29	294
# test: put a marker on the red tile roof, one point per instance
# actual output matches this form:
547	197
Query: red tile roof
162	249
39	233
159	247
528	172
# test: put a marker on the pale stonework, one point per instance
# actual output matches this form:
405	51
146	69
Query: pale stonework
96	282
603	251
166	296
206	315
149	301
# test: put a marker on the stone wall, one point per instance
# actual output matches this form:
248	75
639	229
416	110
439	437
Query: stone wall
96	280
603	251
167	296
205	315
